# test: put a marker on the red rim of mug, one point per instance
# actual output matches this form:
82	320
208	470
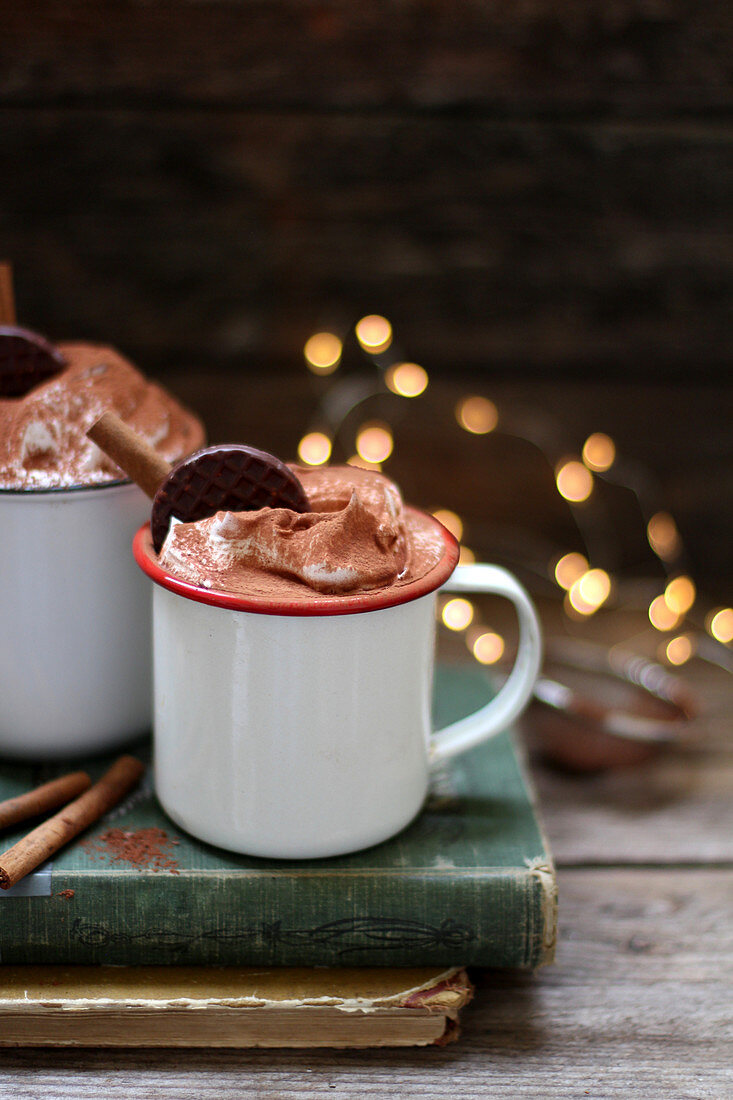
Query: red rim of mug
311	604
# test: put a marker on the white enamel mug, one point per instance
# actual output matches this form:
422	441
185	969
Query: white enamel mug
301	729
74	621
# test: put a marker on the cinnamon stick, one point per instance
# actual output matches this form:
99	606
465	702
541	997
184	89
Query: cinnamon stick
58	830
132	454
7	296
41	799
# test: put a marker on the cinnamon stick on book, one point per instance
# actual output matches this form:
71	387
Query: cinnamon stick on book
58	830
41	799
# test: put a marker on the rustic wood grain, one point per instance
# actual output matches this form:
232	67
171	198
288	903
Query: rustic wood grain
620	56
676	809
532	187
638	1004
226	237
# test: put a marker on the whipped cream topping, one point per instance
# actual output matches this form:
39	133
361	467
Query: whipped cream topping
357	538
43	442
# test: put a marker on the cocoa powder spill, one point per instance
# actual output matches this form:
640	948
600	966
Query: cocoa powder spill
148	848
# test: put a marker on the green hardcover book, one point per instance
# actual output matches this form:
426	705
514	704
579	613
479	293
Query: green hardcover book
470	882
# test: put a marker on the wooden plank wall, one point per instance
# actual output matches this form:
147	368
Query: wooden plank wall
527	188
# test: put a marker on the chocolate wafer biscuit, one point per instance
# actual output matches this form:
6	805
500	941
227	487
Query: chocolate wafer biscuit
227	477
26	360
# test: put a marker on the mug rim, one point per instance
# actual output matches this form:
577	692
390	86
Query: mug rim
315	604
61	490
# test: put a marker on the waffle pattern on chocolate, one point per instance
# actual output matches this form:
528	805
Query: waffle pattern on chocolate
226	477
26	360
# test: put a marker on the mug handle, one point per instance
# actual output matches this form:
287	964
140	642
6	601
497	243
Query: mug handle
495	716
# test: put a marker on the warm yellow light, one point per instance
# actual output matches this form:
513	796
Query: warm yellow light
407	379
588	592
574	606
721	625
374	442
594	587
599	452
663	536
362	464
466	556
660	615
450	520
679	649
574	481
457	613
488	648
679	595
323	353
569	568
374	333
314	449
477	415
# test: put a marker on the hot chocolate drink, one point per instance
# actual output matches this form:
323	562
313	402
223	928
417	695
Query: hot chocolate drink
356	537
75	663
43	444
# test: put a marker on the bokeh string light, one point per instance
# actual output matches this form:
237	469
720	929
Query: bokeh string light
679	650
314	449
599	452
663	536
457	613
720	625
574	480
585	588
374	442
374	333
323	353
486	645
661	616
407	379
477	415
569	568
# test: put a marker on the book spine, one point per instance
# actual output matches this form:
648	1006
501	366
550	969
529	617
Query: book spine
487	918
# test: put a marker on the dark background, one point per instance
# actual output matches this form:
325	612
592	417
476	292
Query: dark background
537	194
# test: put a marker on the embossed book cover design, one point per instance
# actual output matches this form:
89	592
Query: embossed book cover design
470	882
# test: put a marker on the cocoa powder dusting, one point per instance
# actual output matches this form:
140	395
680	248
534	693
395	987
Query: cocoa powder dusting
148	848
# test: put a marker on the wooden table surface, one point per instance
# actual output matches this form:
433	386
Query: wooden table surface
638	1002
